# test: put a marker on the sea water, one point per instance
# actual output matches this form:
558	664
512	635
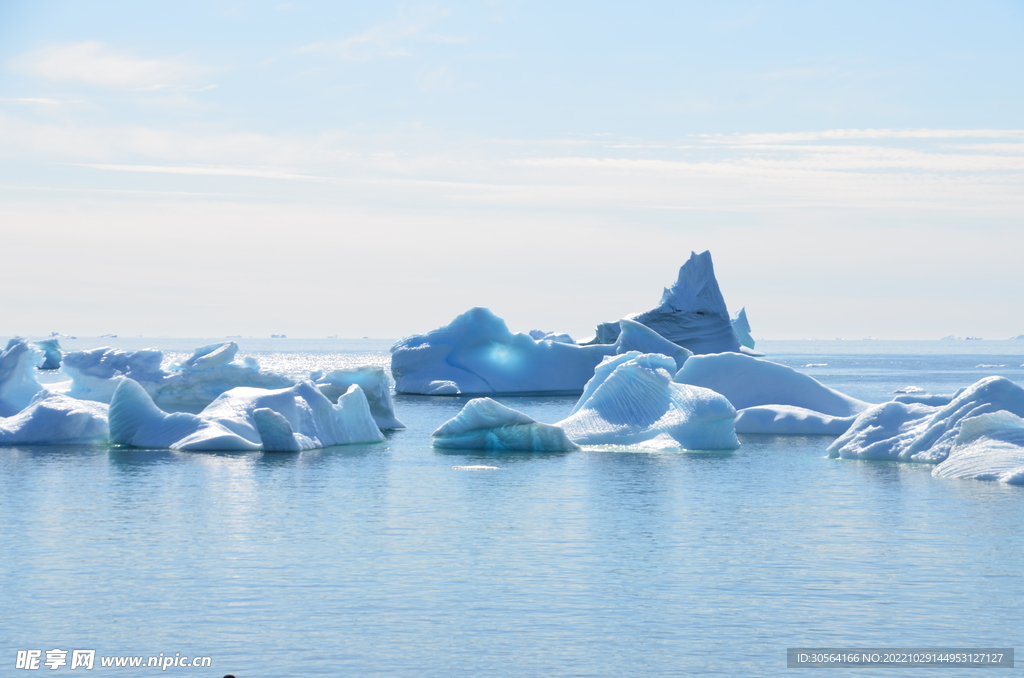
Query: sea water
389	560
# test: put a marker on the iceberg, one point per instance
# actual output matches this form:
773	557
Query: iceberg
772	398
54	419
633	401
375	385
988	447
18	380
96	373
244	418
189	385
741	326
484	424
476	354
51	350
561	338
790	420
692	312
918	432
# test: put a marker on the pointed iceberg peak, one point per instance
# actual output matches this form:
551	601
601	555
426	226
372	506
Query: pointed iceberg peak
696	288
692	312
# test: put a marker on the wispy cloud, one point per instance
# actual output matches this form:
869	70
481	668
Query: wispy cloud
394	38
94	63
39	101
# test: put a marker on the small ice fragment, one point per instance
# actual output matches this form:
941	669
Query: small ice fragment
477	467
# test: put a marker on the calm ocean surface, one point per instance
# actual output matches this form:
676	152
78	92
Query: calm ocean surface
384	560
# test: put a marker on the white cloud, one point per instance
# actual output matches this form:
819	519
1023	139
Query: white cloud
94	63
394	38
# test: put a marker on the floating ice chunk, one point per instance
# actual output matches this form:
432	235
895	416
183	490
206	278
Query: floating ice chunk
212	355
790	420
375	385
189	386
295	418
485	424
561	338
632	400
988	447
51	349
54	419
752	382
18	380
909	389
476	354
741	326
692	312
475	467
923	433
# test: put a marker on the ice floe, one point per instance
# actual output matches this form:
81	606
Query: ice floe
244	418
485	424
476	354
901	431
692	312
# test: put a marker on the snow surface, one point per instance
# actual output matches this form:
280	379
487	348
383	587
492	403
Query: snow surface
633	401
54	419
376	386
244	418
18	380
692	312
772	398
476	354
988	447
484	424
900	431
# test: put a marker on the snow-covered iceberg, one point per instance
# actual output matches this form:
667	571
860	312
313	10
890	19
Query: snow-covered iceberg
772	398
924	433
988	447
54	419
632	400
692	312
484	424
375	385
476	354
281	420
18	380
188	386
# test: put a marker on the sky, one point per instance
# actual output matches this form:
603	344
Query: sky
374	169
